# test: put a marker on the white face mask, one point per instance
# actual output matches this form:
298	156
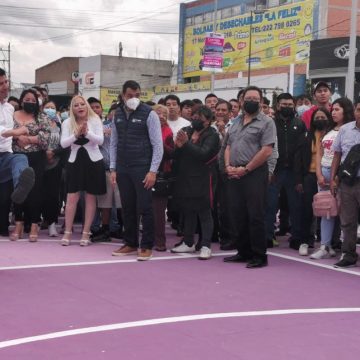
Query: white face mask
133	103
301	109
40	101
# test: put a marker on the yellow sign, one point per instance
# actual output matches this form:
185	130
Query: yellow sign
147	95
109	96
167	89
280	36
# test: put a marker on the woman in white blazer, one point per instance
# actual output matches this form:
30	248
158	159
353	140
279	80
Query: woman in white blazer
85	170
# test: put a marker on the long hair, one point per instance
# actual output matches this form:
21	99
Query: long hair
31	91
348	109
312	126
90	113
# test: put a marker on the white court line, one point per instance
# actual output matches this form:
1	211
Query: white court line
313	263
104	262
170	320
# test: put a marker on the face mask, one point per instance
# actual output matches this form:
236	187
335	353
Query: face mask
320	124
301	109
29	107
251	107
286	112
197	125
51	113
40	101
133	103
64	115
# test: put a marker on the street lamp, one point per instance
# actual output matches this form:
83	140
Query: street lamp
252	12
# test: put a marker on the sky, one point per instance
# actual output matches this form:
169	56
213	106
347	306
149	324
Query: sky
40	31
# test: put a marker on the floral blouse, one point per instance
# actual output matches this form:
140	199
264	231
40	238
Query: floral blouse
39	128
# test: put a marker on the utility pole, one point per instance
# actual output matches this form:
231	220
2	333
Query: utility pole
214	31
350	78
5	60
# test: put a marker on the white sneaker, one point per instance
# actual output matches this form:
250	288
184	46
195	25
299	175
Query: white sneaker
52	230
358	231
183	248
322	253
205	253
304	250
332	252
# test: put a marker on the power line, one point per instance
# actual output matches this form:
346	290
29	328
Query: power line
89	29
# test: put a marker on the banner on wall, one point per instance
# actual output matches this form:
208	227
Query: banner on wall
167	89
280	36
212	59
109	96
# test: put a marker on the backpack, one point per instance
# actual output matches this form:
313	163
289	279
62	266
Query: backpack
349	168
325	205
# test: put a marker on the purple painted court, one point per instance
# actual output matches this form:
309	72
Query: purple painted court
82	303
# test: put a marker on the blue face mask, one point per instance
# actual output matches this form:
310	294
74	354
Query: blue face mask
51	113
64	115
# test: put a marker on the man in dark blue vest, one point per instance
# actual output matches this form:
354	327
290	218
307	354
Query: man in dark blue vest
136	150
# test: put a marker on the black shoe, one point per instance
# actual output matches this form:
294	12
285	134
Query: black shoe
24	186
238	258
344	263
118	234
270	244
257	262
228	246
103	237
4	233
294	244
282	232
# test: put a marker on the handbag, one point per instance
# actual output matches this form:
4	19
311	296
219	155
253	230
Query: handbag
349	168
164	185
325	205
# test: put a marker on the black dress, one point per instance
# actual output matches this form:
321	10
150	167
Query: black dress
84	174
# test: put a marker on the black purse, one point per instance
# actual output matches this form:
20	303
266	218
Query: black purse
164	185
349	168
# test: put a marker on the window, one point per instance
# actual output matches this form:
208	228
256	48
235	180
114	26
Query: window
273	3
260	4
236	10
198	19
208	16
189	21
226	13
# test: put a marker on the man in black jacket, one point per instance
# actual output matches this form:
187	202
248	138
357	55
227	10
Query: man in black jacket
289	130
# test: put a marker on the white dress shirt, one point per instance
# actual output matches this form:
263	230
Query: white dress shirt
6	123
95	136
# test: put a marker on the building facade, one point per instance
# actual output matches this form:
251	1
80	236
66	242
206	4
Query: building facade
273	36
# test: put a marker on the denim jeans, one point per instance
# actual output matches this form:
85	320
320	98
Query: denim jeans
11	166
327	224
284	178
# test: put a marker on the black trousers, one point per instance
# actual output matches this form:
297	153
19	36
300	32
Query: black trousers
30	209
136	202
5	202
247	200
51	194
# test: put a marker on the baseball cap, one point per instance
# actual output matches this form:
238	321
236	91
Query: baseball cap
321	84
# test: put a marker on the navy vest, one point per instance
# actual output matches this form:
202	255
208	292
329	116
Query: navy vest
134	146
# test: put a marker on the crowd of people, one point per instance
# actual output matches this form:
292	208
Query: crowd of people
222	169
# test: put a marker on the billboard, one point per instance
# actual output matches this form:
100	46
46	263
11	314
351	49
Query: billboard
213	53
280	36
335	51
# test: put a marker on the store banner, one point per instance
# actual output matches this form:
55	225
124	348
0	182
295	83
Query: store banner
280	36
213	53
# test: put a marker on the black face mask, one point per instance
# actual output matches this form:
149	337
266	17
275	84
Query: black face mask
320	124
197	125
251	107
287	112
29	107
